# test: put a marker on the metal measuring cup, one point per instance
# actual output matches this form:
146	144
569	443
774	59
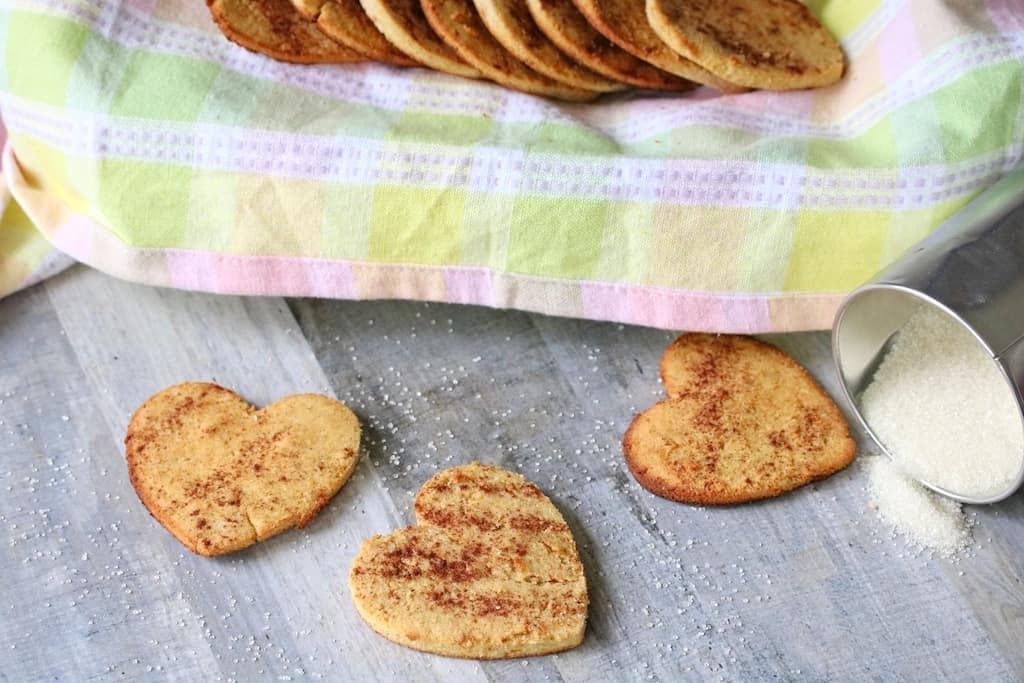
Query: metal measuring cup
970	269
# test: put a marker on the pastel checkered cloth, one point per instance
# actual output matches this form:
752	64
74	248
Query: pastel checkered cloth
144	144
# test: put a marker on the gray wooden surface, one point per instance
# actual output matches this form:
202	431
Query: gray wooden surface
809	586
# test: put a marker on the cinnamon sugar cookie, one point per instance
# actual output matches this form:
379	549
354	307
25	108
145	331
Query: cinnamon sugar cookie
743	422
221	475
489	571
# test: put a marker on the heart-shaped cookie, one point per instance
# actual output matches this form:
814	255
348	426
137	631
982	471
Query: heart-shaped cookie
489	571
743	422
221	475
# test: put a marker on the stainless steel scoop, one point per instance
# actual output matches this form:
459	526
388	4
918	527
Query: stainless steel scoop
970	269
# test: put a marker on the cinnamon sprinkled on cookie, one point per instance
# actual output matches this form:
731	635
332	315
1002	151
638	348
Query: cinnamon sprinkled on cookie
743	422
490	571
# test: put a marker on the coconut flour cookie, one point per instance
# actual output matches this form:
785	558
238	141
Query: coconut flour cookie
572	50
489	571
221	475
346	22
512	25
770	44
570	31
624	22
276	29
743	422
460	26
403	23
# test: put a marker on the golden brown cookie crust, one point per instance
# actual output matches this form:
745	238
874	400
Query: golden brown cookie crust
512	25
570	31
221	475
768	44
624	22
309	9
743	422
403	23
346	22
459	25
490	571
276	29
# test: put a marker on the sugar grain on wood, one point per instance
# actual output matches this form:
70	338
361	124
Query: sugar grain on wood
943	409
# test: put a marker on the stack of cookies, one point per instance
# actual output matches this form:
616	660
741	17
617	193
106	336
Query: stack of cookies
571	50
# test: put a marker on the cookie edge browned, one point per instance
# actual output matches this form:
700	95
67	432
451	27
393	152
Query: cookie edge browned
152	509
724	62
296	521
389	55
680	493
541	87
405	642
418	647
244	41
683	494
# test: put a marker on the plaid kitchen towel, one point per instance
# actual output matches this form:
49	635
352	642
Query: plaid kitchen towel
144	144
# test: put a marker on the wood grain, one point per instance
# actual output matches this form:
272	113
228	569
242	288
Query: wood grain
807	586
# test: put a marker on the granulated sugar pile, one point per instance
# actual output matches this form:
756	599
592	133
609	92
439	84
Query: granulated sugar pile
925	518
943	409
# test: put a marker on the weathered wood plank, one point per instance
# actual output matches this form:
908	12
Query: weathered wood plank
683	585
809	585
280	608
75	595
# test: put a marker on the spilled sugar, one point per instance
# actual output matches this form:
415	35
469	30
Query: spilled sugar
943	409
925	518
